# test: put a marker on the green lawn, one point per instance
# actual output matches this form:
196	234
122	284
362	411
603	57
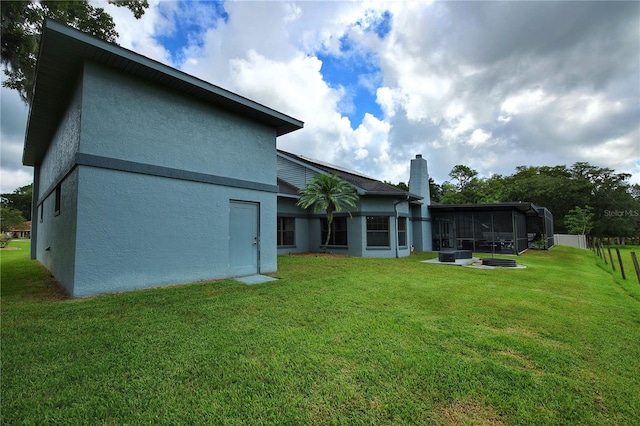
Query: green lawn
334	341
631	282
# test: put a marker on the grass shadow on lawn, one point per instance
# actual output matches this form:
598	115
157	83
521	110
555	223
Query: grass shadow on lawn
24	279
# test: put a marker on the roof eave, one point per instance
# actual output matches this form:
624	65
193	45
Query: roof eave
407	195
295	197
518	205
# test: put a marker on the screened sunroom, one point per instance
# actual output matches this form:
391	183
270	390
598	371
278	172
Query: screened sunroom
508	228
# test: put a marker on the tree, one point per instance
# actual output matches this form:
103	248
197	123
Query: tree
10	218
611	198
435	190
328	193
449	193
463	175
20	199
551	187
399	185
492	190
469	188
22	25
579	221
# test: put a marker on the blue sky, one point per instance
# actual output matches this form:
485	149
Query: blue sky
540	83
358	73
188	24
357	70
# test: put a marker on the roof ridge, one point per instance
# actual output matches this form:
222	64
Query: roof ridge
329	165
367	183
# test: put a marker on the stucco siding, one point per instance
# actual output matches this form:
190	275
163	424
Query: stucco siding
387	207
137	231
61	152
287	208
356	235
301	238
56	247
131	119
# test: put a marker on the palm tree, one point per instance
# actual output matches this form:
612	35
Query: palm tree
328	193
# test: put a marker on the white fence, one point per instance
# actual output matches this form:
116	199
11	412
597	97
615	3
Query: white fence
579	241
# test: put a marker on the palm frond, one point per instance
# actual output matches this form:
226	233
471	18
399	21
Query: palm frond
327	193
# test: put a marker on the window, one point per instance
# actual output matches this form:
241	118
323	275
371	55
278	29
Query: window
57	193
41	212
378	231
338	235
402	231
286	231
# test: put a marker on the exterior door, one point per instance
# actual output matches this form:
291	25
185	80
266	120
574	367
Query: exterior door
244	238
446	235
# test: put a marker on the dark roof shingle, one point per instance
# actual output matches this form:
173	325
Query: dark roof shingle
369	185
286	188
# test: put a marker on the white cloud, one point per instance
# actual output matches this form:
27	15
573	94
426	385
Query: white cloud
582	109
139	34
609	151
13	120
367	148
454	78
10	180
525	101
390	100
634	171
296	88
479	138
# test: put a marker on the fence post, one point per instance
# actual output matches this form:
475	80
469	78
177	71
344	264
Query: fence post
613	266
624	277
635	265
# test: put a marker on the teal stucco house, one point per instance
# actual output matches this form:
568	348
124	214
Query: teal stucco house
387	222
144	175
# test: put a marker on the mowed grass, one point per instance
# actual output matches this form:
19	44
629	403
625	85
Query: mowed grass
334	341
631	281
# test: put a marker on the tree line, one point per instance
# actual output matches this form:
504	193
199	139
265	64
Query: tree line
15	208
583	198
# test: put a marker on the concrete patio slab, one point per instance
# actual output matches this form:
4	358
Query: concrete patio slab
474	262
255	279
